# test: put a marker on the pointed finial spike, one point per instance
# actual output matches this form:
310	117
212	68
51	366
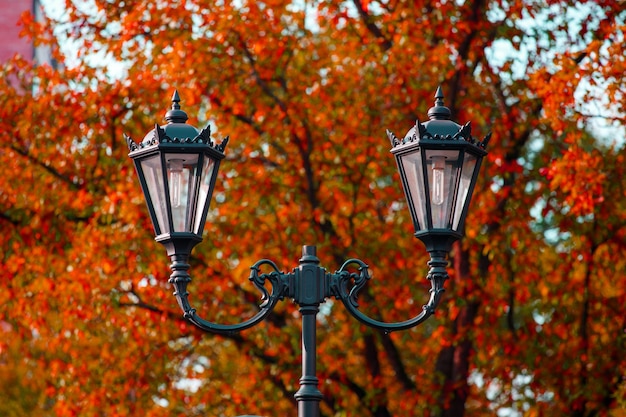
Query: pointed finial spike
485	141
439	96
393	139
439	111
132	146
222	146
175	100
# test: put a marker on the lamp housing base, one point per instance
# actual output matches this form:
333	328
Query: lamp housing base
438	240
179	243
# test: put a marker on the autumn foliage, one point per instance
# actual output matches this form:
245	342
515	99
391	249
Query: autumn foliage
533	322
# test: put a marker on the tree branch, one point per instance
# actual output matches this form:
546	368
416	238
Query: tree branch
46	167
386	44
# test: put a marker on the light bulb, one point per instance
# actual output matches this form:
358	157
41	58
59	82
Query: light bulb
176	169
439	164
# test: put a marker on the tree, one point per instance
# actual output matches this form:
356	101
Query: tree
533	317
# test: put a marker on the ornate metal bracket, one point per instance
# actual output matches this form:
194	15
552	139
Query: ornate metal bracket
309	284
180	279
437	276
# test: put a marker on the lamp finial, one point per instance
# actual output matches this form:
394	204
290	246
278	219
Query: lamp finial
439	111
176	115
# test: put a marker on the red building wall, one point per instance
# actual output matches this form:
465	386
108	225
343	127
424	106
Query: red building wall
10	41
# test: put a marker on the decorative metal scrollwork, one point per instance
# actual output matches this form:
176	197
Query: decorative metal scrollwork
437	275
359	280
275	278
343	285
159	135
180	279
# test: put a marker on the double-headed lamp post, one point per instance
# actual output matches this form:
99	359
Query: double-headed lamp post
177	167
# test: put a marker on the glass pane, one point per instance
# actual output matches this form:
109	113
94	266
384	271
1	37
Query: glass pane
469	164
153	175
204	193
413	174
181	174
441	168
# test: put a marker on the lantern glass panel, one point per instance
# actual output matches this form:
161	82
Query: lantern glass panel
414	176
181	174
441	168
465	184
204	194
153	175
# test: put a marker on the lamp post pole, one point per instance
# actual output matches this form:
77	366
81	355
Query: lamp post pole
309	395
177	167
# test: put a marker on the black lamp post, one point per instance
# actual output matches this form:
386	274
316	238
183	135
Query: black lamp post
177	167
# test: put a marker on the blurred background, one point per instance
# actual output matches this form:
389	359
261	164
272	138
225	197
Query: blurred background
533	322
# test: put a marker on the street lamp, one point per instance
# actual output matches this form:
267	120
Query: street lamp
177	167
438	162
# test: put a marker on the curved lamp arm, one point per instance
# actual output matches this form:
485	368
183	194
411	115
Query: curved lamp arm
338	285
180	278
437	275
